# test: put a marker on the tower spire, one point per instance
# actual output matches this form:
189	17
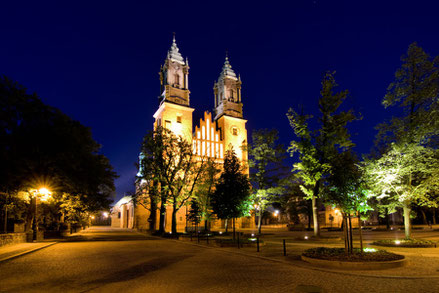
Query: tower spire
227	68
174	53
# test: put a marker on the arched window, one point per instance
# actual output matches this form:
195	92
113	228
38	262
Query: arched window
176	80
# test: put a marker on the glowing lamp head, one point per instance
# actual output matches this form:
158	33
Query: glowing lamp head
397	242
306	237
220	232
105	214
44	194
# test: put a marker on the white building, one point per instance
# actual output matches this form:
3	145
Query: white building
122	213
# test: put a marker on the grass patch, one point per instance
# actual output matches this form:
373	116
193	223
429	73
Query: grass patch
405	243
338	254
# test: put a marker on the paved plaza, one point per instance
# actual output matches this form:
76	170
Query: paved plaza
117	260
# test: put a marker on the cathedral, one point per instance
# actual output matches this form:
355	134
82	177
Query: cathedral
212	136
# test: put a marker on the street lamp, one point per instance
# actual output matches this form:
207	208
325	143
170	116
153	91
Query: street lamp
44	194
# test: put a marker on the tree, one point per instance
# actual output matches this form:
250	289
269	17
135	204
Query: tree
205	188
404	174
316	148
188	169
41	146
408	142
194	214
230	199
415	90
169	172
266	164
346	190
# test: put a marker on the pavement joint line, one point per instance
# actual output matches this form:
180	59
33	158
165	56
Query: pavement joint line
338	272
26	252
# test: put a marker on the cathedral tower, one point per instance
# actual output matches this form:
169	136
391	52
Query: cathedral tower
227	91
228	112
174	111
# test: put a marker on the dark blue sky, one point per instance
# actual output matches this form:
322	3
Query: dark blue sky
98	61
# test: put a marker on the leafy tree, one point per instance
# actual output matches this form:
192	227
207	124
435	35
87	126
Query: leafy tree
266	169
294	202
415	90
41	146
187	173
154	167
170	172
408	141
230	199
346	190
194	214
205	188
316	148
404	174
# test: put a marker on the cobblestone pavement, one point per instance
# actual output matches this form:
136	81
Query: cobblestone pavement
156	265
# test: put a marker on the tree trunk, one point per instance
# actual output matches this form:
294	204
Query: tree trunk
30	216
351	241
260	221
174	219
424	217
345	233
361	233
5	224
162	217
152	216
206	224
233	222
434	216
407	223
387	219
315	216
226	225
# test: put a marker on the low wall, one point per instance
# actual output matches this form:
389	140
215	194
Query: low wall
12	238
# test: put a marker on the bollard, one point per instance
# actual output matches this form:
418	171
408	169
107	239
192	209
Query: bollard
257	244
207	238
285	249
238	241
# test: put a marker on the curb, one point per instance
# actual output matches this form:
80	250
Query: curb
308	267
26	252
346	265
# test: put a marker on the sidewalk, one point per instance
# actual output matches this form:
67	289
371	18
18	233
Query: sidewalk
11	251
422	263
8	252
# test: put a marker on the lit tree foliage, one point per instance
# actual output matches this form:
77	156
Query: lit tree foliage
408	142
265	169
316	148
404	175
205	188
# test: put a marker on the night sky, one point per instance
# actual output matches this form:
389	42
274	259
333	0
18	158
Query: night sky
98	61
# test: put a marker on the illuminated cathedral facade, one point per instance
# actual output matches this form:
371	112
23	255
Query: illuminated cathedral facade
213	135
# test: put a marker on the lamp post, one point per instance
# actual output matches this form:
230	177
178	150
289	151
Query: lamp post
44	195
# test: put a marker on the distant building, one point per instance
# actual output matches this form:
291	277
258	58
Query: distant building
214	134
122	213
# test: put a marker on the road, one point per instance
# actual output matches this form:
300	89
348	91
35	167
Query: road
122	261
